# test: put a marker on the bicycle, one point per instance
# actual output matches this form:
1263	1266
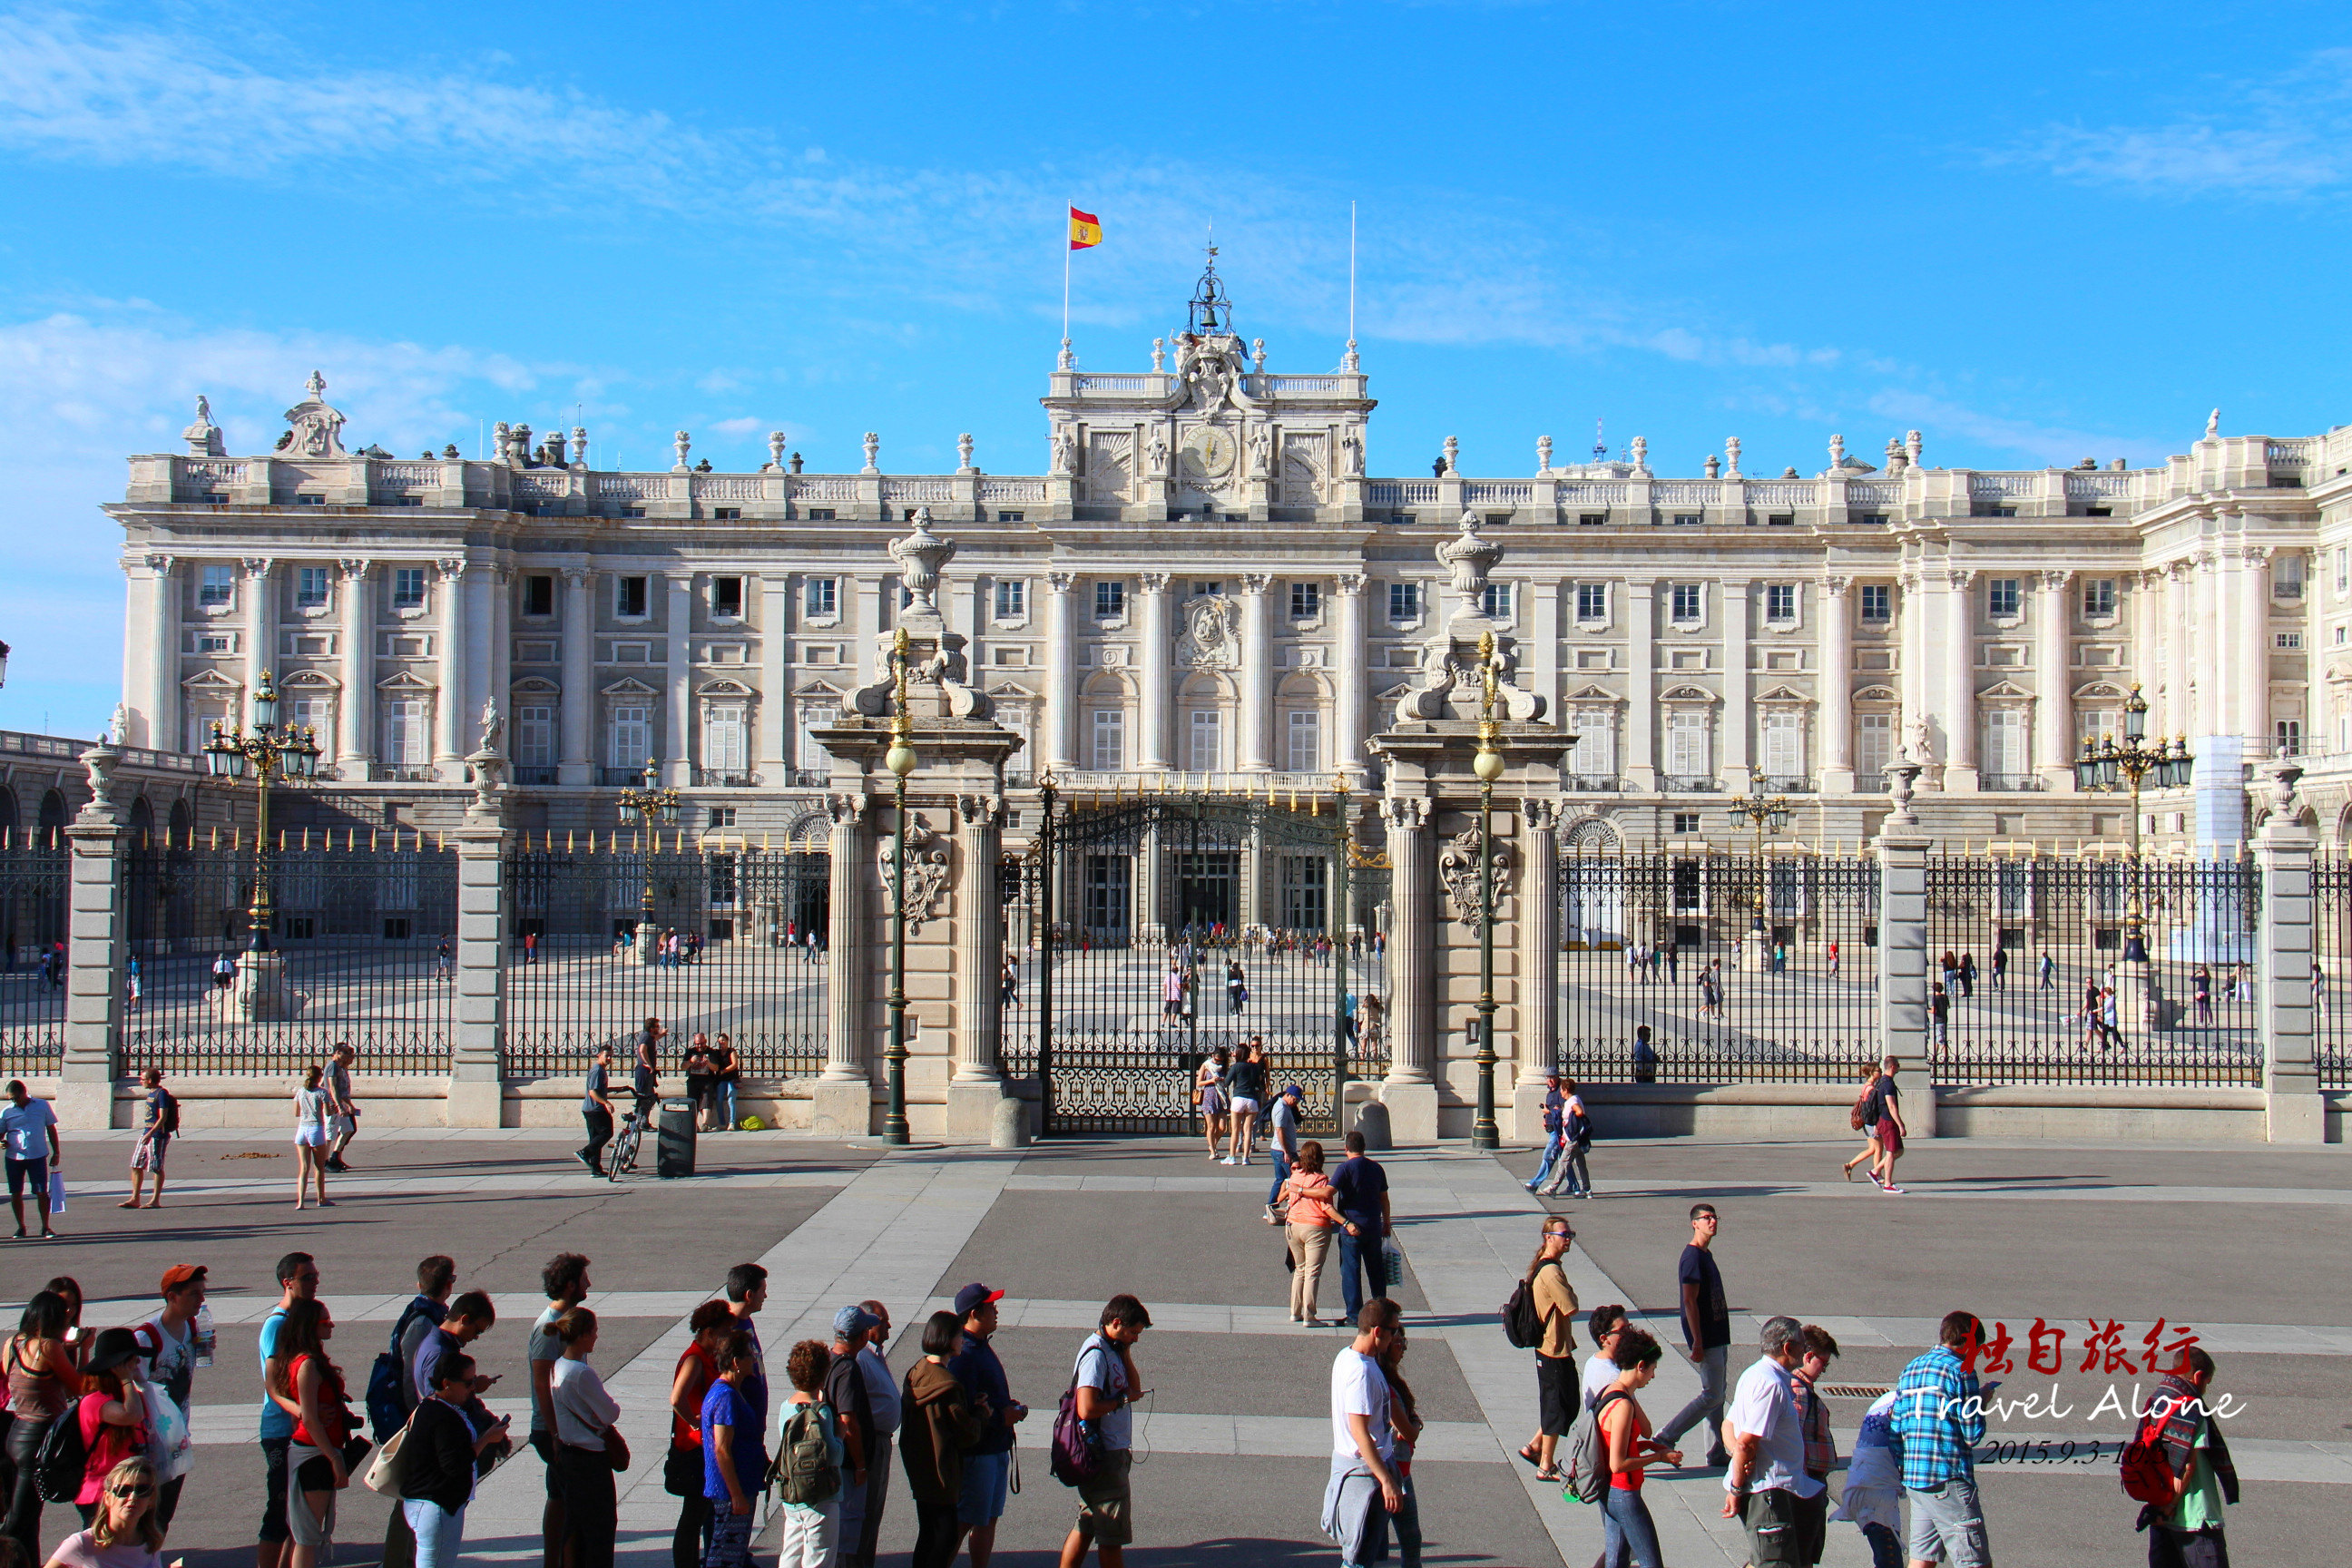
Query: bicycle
622	1155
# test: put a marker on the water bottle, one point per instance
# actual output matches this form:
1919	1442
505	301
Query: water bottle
204	1335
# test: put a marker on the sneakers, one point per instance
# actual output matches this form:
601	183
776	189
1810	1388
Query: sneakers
1876	1182
1890	1187
337	1165
586	1164
1228	1160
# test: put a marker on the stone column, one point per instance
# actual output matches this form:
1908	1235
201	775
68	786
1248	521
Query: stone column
843	1103
1541	615
481	652
2180	636
1415	939
94	938
449	701
1959	684
1836	707
2054	740
355	730
1538	980
1348	723
677	763
2205	704
2283	854
161	707
501	597
576	762
1736	680
1157	674
1061	736
1911	666
2249	649
477	1056
260	628
1250	753
775	762
1903	970
1641	763
978	1080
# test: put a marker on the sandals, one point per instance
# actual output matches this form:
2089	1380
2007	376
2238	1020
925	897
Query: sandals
1554	1474
1528	1454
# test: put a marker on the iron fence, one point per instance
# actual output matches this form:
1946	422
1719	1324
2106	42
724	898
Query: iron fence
33	963
2036	975
707	939
2331	972
1729	968
362	945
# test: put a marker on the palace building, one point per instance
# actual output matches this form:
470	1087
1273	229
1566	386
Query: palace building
1205	583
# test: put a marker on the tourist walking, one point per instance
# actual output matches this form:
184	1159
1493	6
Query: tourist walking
1576	1141
941	1423
43	1384
167	1362
1883	1112
2187	1532
1873	1500
734	1451
29	1132
1862	1120
306	1379
1303	1202
1767	1476
1605	1325
161	1109
1106	1384
1556	1398
1209	1094
2001	969
1707	1334
1405	1424
1359	1192
587	1444
1236	986
726	1083
1281	1141
120	1529
2046	972
1629	1536
565	1280
683	1471
1937	1421
1246	1084
844	1390
298	1280
442	1457
1171	991
1555	1103
310	1102
2201	984
1821	1442
812	1523
1364	1492
596	1111
342	1110
988	1467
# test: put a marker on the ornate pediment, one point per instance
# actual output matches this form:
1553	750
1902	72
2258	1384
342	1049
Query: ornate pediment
1785	695
630	685
1876	694
211	683
1593	694
1687	694
407	682
2100	691
2004	691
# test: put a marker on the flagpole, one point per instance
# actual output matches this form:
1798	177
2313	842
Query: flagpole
1348	362
1067	207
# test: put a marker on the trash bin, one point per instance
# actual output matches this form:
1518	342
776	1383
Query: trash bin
674	1139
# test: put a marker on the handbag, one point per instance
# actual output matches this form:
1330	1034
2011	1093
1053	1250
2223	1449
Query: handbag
682	1471
355	1449
389	1467
616	1449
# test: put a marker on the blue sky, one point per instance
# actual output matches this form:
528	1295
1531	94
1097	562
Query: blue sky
2036	233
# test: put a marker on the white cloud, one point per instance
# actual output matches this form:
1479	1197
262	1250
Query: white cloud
2045	446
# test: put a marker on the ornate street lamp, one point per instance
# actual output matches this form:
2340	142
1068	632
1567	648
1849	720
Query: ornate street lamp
1488	765
650	808
2107	767
1760	812
270	753
900	760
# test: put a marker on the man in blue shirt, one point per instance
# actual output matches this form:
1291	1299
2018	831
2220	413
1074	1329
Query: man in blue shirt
1938	1419
1360	1191
988	1469
28	1127
1555	1104
298	1280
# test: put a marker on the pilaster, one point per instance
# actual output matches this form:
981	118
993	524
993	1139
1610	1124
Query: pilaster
1157	673
1642	684
575	762
1250	749
355	724
1348	726
2053	743
1836	706
1410	1090
449	700
843	1093
678	745
978	1080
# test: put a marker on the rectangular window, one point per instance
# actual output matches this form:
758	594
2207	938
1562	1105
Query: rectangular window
1685	601
1686	822
722	817
404	733
629	596
727	514
408	587
1105	892
1204	754
2004	746
1783	746
1689	518
722	738
1011	601
815	514
2001	596
2343	570
535	735
1203	590
1496	601
316	715
1592	601
2286	577
1594	756
538	595
1306	601
817	597
1405	601
2289	737
311	587
2289	640
1779	601
1000	517
1306	754
1110	601
814	716
632	741
2099	596
1873	748
1877	602
1110	740
1686	744
1591	520
727	596
219	585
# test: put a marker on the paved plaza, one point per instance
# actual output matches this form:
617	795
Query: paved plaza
2236	1243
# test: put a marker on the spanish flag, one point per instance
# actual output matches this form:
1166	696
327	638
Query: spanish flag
1086	230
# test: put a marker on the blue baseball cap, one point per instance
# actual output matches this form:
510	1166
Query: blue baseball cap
852	1321
1290	1090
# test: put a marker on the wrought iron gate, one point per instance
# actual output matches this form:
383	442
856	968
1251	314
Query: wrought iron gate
1165	927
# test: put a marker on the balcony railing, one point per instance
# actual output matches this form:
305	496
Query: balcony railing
1690	784
1786	783
403	773
1592	783
2010	782
714	778
807	778
535	777
621	778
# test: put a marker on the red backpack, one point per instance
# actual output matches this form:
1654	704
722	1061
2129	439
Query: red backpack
2147	1473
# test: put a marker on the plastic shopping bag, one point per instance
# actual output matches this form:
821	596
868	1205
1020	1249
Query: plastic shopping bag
1392	1262
56	1192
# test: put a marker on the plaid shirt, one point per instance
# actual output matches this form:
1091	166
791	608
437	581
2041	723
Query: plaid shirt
1938	1439
1813	1421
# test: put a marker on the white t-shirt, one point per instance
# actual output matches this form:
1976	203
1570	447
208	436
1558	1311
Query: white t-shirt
1358	1388
1599	1371
1765	1404
583	1411
542	1344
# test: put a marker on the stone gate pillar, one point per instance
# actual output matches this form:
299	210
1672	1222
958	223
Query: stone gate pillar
1538	962
978	1080
1903	955
477	1054
2283	854
94	938
842	1104
1410	1092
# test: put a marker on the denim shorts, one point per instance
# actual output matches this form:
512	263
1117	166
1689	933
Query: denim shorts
986	1477
1948	1523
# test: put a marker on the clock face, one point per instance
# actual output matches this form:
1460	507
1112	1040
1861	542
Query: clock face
1209	452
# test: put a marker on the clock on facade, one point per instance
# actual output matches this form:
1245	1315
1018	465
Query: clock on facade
1209	452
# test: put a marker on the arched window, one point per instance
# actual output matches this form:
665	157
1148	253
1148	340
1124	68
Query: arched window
50	835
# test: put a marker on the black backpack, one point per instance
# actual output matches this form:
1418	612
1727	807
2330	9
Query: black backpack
387	1389
1522	1324
63	1458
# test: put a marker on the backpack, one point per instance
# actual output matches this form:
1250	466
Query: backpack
1073	1459
63	1458
1585	1454
1857	1118
2147	1473
1580	1127
802	1471
1522	1324
171	1120
387	1389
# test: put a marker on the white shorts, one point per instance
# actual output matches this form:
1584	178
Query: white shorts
342	1126
1244	1107
311	1135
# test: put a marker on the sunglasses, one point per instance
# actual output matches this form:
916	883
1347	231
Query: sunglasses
129	1491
